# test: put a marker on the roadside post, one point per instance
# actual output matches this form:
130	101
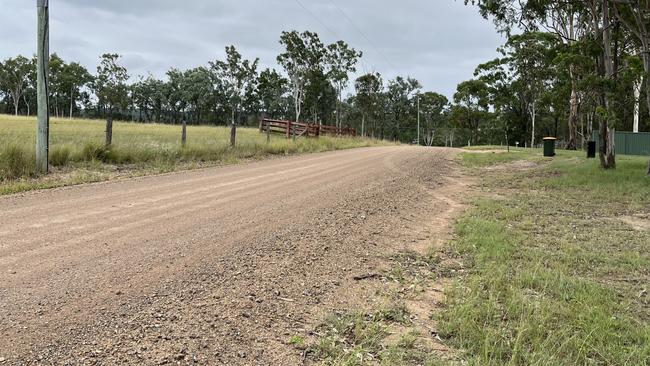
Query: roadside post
268	132
42	66
184	132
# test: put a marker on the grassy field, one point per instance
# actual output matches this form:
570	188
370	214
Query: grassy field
558	259
78	154
549	265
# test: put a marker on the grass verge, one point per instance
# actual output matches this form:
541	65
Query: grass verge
556	275
78	154
364	338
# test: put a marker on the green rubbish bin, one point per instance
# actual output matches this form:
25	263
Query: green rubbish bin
549	146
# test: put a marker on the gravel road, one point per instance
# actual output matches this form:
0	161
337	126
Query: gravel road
218	266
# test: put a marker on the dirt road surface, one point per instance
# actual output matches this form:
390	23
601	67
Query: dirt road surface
218	266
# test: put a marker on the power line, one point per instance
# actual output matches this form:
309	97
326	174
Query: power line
390	64
317	19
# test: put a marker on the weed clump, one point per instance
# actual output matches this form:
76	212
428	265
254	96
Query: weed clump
16	162
60	156
93	151
360	338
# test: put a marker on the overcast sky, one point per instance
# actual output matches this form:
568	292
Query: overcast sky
439	42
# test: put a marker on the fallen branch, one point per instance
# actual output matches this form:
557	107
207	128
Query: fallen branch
366	276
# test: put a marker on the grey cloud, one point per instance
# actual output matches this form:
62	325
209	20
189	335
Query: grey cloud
438	42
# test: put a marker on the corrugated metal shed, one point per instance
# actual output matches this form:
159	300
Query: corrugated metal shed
629	143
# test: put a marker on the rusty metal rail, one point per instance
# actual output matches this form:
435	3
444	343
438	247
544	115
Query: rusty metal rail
302	129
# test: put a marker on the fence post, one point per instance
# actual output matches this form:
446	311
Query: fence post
184	132
288	128
268	133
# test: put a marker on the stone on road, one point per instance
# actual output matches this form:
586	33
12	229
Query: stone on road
214	266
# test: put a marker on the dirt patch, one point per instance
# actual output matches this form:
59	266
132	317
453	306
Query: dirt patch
495	151
417	276
519	165
639	222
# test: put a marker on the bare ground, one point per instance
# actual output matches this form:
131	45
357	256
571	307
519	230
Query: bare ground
219	266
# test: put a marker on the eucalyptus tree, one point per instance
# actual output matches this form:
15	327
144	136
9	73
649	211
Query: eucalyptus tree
197	89
565	19
303	57
111	89
634	14
238	76
502	96
473	98
595	20
74	77
57	92
369	88
342	60
142	96
14	79
3	93
320	96
433	107
29	95
175	95
399	96
271	90
530	56
148	96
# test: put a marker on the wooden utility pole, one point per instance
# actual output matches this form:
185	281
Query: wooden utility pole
418	119
43	58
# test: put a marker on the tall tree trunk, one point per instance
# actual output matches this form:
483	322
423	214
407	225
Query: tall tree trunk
607	148
363	125
637	104
572	144
109	128
533	116
26	103
297	103
71	101
645	56
338	108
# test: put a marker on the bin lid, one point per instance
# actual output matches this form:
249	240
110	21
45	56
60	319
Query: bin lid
549	138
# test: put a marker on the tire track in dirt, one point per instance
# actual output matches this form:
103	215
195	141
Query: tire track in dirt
224	278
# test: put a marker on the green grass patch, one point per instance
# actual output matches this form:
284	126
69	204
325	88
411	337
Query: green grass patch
78	145
554	276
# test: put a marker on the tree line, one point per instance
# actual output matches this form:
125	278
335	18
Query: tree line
571	68
312	85
574	66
